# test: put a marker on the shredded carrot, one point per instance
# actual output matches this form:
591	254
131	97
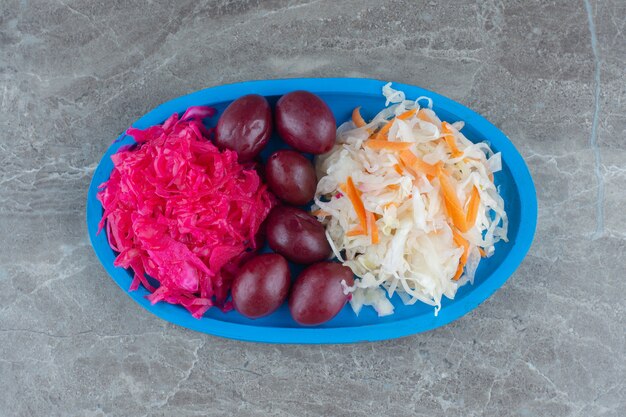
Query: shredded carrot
461	220
357	118
461	242
384	131
389	204
448	136
472	207
393	186
407	114
452	145
355	199
357	231
453	206
384	144
398	169
407	158
459	272
482	252
421	114
344	189
320	212
410	160
371	226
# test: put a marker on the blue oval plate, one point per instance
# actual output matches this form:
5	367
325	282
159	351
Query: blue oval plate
342	95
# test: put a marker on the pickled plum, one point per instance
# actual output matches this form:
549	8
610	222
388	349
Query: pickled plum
291	177
296	235
261	285
317	295
305	122
245	126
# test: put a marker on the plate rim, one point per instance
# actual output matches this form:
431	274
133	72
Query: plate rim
319	335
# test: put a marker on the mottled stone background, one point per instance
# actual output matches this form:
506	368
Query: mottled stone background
550	74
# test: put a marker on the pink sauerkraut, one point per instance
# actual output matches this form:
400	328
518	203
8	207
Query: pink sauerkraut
181	212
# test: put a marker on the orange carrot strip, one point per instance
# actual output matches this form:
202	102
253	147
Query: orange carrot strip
453	206
357	118
357	231
472	207
393	186
384	131
343	188
371	226
450	142
458	220
355	199
448	136
459	272
320	212
389	204
375	239
417	164
422	115
482	252
407	114
385	144
461	242
438	166
424	167
408	158
398	169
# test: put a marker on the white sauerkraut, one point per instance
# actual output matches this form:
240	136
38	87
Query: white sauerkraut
417	251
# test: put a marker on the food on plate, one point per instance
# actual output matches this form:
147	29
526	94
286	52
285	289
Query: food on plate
404	201
296	235
305	122
409	204
291	177
318	293
181	211
245	126
261	285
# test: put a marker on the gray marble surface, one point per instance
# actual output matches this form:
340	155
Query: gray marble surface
550	74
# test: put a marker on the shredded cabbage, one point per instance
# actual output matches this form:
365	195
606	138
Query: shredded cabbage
178	210
417	253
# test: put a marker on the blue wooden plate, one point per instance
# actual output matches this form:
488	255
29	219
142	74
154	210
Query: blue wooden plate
342	95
